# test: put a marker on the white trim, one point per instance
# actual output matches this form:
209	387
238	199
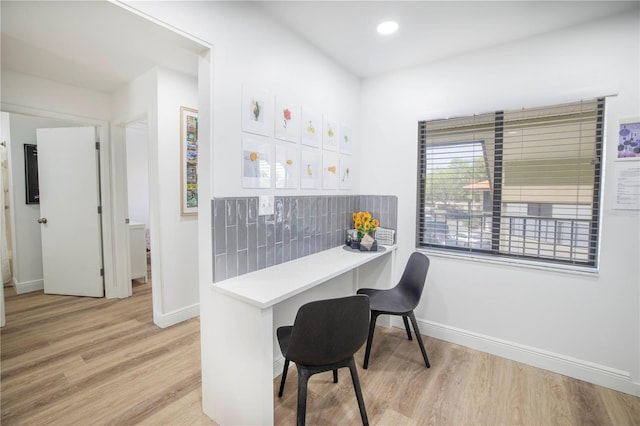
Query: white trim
130	8
558	363
28	286
513	262
118	200
175	317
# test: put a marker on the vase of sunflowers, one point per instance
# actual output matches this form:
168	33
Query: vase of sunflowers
365	224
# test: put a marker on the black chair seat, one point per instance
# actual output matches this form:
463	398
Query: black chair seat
400	300
324	337
390	301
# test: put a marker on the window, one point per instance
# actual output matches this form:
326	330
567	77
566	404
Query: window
522	183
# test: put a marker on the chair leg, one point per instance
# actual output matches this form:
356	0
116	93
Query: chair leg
284	377
419	338
335	376
406	327
356	386
372	328
303	379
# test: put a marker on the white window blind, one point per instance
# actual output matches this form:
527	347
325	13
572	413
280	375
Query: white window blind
521	183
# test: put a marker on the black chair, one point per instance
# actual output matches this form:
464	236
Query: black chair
324	337
400	300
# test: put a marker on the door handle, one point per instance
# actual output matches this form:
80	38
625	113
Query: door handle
43	220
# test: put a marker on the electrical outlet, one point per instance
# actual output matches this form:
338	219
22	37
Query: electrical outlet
266	205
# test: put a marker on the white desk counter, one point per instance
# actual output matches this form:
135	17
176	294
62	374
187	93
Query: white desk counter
267	287
239	316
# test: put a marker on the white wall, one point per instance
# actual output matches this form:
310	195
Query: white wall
178	259
250	48
25	91
583	325
268	57
158	95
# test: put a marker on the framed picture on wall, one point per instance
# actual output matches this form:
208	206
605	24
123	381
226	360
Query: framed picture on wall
31	174
256	163
345	173
330	137
257	111
330	170
310	169
311	132
287	121
346	140
188	161
286	166
629	140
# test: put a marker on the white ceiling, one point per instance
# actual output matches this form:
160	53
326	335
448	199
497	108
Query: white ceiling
429	30
90	44
98	45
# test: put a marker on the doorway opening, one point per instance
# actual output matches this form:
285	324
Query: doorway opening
24	218
137	172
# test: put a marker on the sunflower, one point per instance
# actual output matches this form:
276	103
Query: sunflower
364	223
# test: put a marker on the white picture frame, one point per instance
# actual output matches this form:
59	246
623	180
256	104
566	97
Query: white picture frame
257	111
330	170
287	166
330	134
345	177
311	128
310	169
256	163
286	118
346	139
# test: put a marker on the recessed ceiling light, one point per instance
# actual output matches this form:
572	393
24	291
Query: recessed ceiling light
388	27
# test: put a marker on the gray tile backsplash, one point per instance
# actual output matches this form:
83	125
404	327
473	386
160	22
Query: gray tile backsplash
245	242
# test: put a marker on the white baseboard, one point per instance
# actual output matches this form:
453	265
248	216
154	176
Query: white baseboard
175	317
579	369
28	286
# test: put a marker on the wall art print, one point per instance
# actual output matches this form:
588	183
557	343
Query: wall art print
310	169
629	141
287	121
257	112
287	166
330	134
330	170
256	164
188	161
311	128
346	139
345	175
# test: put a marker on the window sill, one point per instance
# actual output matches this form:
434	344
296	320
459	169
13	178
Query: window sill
518	263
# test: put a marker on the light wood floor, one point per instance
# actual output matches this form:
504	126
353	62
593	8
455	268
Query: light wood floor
83	361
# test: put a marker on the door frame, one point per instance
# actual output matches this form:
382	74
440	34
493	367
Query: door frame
113	267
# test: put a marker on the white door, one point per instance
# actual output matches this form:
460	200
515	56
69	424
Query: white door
69	215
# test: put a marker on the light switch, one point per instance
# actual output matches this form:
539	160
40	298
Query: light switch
265	205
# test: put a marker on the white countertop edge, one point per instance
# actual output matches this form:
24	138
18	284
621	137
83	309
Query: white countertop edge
250	288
